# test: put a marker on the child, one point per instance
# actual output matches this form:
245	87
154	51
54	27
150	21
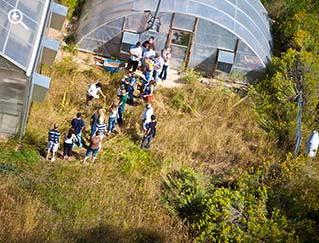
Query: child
53	142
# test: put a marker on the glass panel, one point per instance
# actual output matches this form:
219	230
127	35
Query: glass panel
32	8
11	2
184	22
130	38
137	22
4	10
25	33
224	67
128	41
226	57
203	58
179	54
3	35
18	50
181	38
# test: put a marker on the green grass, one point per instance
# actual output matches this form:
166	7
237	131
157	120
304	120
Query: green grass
117	199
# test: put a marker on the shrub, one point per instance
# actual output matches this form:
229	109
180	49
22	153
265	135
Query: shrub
219	213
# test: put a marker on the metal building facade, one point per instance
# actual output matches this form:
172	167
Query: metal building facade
230	35
23	25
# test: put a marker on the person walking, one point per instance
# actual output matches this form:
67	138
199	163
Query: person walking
93	92
53	142
158	66
112	119
78	125
130	87
69	141
94	147
121	106
148	93
150	133
136	56
94	121
166	56
146	116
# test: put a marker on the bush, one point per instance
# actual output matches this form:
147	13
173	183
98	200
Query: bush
226	214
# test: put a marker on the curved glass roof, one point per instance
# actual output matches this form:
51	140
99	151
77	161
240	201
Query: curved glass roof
247	19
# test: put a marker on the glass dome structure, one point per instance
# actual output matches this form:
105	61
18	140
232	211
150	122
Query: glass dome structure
210	35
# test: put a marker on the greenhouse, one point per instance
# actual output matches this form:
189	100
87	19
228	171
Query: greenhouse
209	35
24	47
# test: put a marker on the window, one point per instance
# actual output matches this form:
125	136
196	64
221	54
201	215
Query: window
129	39
225	61
181	38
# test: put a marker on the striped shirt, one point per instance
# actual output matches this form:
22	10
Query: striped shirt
101	128
54	136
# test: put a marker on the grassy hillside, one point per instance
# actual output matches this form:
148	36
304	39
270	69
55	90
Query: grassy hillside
219	170
119	197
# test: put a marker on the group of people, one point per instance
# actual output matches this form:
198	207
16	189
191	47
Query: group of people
154	66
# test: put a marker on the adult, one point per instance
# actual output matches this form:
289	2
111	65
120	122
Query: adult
166	56
93	92
69	141
148	93
94	121
53	142
112	118
149	68
149	43
150	133
146	116
158	66
149	53
94	147
78	125
102	116
130	87
136	56
121	106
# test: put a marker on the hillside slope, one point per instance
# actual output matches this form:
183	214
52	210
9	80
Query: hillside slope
118	198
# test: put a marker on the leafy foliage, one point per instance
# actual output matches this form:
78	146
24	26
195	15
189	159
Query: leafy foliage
275	96
227	212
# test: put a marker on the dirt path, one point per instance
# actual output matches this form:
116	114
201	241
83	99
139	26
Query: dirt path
173	80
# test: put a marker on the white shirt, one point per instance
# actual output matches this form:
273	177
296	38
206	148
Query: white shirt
113	113
159	63
167	56
71	140
149	53
146	118
136	53
93	91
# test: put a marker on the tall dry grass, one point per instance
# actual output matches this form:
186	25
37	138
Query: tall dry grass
118	199
209	128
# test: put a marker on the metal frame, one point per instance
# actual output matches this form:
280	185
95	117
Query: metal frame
249	32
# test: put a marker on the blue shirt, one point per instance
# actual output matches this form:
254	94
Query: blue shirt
77	125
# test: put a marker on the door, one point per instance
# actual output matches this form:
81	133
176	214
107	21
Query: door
180	42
